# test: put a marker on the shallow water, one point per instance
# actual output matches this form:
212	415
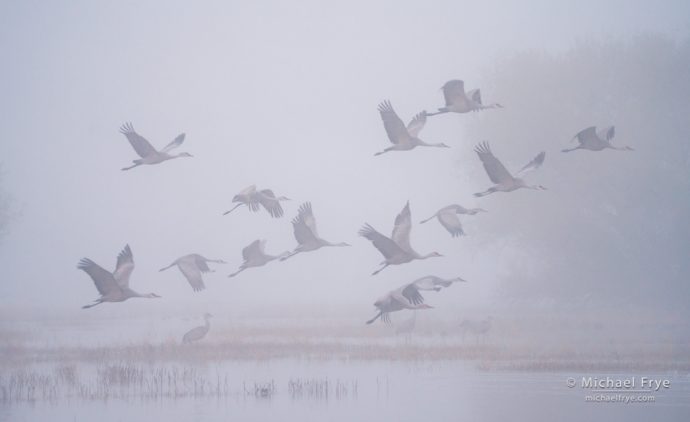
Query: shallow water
371	390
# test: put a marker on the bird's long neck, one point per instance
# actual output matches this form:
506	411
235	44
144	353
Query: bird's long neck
626	148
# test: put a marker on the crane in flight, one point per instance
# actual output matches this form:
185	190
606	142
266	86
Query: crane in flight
197	333
596	140
408	297
254	255
448	217
191	266
395	249
504	181
113	287
149	154
459	101
403	138
253	198
304	228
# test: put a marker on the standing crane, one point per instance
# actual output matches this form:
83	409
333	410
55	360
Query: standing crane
403	138
149	154
395	249
504	181
457	101
191	266
596	140
252	198
448	217
304	227
408	297
113	287
254	255
197	333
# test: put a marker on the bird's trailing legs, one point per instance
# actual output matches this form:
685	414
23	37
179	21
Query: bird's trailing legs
236	272
380	269
96	302
375	318
288	255
233	209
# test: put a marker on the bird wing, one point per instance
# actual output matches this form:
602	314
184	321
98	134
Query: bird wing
588	135
450	220
534	164
475	95
416	124
268	199
411	293
454	91
192	273
201	263
304	224
138	142
402	228
255	248
431	282
385	245
395	128
103	279
248	190
494	168
175	143
124	267
607	133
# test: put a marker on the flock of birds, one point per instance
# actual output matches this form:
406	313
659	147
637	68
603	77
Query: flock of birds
396	249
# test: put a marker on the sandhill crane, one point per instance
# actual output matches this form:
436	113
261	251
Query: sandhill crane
253	198
408	296
192	266
596	140
448	217
403	138
478	328
197	333
504	181
304	227
255	256
113	287
396	249
457	101
148	154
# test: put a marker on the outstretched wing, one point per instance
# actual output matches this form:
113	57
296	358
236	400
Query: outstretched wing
411	293
588	135
103	279
416	124
395	128
454	92
192	273
402	228
449	219
385	245
475	95
138	142
607	133
124	267
256	248
494	168
175	143
268	199
432	282
304	224
534	164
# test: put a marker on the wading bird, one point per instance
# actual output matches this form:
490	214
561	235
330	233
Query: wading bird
448	217
408	296
403	138
504	181
253	198
596	140
148	154
304	227
192	266
255	256
457	101
396	249
197	333
113	287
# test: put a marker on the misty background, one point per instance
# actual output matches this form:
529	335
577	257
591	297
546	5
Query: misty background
284	96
